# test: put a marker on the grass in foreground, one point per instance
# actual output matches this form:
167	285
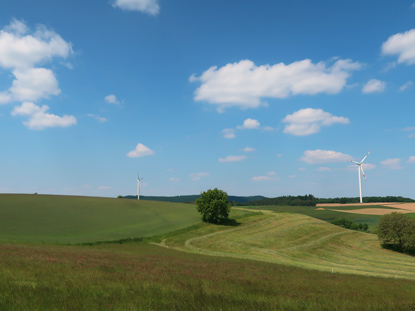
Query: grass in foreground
69	219
138	276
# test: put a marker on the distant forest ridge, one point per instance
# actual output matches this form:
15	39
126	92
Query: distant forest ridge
300	200
193	198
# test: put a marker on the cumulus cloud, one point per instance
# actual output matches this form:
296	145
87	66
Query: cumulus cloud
112	99
411	159
174	179
33	84
233	158
243	84
147	6
197	176
309	121
97	118
403	45
393	164
140	151
323	156
249	124
373	85
271	173
38	119
261	178
406	85
229	133
366	167
249	149
324	169
21	50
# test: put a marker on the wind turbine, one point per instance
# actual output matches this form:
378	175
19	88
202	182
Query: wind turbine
360	171
138	186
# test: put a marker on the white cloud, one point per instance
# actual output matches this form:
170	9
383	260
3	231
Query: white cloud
407	85
197	176
324	169
411	159
268	128
249	124
271	173
112	99
373	85
233	158
292	176
20	51
249	149
97	118
323	156
403	45
33	84
409	128
229	133
302	169
280	155
39	119
244	84
174	179
393	164
366	167
309	121
140	151
147	6
261	178
104	187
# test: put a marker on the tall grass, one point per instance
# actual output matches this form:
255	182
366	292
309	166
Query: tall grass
138	276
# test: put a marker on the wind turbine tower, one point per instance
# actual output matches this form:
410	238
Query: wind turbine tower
360	172
138	186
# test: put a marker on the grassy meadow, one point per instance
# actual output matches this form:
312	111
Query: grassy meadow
139	276
260	259
327	214
69	219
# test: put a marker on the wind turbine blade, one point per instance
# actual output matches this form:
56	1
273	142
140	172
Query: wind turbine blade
366	156
363	172
354	162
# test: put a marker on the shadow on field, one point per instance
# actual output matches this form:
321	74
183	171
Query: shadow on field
397	248
228	222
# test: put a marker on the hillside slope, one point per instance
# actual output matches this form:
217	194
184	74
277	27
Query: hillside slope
69	219
298	240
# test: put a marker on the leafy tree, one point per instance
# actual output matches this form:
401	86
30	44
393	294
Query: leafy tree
120	197
394	229
213	205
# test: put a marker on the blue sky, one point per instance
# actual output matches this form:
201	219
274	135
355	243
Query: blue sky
253	97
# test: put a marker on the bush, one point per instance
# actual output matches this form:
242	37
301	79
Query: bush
397	230
213	205
349	224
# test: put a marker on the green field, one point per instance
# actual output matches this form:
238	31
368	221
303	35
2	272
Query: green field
326	214
258	260
69	219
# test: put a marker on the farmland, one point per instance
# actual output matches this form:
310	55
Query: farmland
259	259
68	219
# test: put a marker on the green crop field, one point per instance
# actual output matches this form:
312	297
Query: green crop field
68	219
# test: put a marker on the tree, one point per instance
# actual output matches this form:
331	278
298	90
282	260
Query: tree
213	205
393	229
